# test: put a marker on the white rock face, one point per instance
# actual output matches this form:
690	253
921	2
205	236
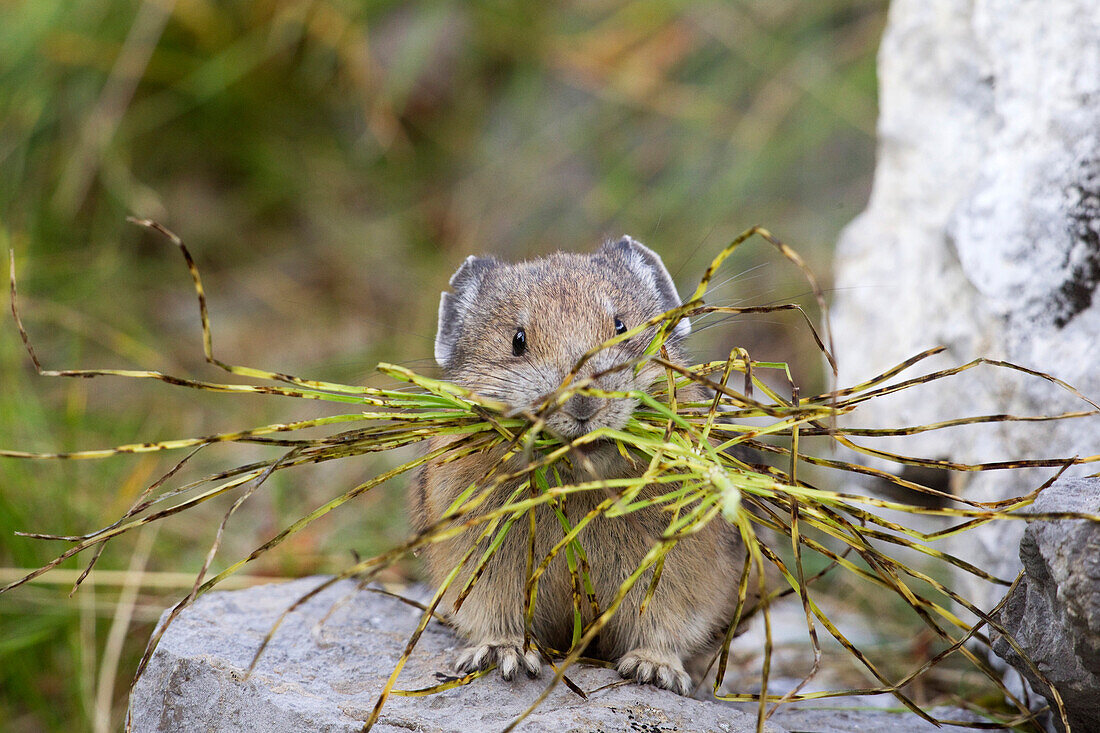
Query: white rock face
982	235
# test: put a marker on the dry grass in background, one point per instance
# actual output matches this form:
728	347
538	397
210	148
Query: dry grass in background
332	163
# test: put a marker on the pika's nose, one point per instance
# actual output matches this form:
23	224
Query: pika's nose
582	407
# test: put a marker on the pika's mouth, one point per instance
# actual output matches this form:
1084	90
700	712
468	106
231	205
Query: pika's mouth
572	423
592	447
568	427
579	417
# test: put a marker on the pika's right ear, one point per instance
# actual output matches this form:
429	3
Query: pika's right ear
454	307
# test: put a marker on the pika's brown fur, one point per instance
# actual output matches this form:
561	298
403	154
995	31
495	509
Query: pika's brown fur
566	304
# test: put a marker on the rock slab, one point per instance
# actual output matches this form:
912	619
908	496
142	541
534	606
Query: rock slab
328	661
1054	612
326	676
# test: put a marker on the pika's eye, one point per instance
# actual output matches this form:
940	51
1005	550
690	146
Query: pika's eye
620	327
519	342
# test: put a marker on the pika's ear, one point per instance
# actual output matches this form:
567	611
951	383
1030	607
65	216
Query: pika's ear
648	267
454	307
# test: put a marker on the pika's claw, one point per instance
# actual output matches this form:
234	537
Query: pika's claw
656	667
508	655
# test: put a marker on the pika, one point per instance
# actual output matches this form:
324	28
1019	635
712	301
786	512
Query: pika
513	332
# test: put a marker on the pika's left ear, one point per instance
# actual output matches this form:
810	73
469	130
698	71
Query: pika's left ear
455	308
648	267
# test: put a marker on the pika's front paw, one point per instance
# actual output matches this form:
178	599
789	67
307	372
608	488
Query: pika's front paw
656	667
507	655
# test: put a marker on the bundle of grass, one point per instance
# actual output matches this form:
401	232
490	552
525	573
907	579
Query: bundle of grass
714	442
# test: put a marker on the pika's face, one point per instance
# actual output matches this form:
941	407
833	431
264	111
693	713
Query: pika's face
514	332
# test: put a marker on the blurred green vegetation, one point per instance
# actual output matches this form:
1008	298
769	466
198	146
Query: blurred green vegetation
330	164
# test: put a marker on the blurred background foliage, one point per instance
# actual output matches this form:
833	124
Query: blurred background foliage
330	163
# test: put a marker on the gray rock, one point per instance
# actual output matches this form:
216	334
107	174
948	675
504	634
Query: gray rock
850	718
982	234
326	677
1054	612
